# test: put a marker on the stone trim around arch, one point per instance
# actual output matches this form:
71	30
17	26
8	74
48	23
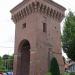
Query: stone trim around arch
23	43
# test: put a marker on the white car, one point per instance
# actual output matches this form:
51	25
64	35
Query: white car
4	73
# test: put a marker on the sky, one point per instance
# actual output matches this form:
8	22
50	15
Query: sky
7	27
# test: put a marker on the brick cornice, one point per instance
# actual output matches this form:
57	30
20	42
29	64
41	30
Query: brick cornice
55	4
39	7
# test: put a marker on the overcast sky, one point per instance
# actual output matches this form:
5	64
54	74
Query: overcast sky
7	27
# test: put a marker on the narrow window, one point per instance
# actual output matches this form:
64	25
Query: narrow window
44	27
24	25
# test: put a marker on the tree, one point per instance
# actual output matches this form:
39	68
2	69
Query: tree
10	63
54	69
5	58
2	68
68	37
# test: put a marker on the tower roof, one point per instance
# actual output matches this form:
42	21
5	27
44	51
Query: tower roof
47	7
48	1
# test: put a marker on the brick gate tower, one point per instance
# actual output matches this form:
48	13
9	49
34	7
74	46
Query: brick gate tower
37	36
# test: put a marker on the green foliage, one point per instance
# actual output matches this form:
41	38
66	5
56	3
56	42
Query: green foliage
54	69
68	37
6	63
1	65
5	57
68	73
73	73
48	73
10	63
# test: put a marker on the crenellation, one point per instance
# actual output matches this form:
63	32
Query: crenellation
30	7
14	18
48	10
33	7
41	6
42	9
24	11
55	4
59	17
22	14
57	14
38	7
18	16
27	10
51	12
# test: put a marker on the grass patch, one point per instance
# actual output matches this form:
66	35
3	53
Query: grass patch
48	73
66	73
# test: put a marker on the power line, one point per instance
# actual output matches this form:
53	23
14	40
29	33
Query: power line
5	47
7	42
65	3
69	4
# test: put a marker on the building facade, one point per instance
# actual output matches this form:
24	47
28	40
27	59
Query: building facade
69	65
37	36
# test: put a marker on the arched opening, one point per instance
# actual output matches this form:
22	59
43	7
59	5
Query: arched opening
54	67
25	57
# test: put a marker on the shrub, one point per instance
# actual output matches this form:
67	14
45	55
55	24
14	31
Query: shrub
72	73
54	68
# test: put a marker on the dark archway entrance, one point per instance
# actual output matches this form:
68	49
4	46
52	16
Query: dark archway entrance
25	57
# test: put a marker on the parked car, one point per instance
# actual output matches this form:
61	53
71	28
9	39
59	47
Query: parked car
1	73
4	73
9	73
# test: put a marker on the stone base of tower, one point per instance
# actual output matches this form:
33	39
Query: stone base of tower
38	65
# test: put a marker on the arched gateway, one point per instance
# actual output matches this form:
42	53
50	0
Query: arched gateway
37	36
24	48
